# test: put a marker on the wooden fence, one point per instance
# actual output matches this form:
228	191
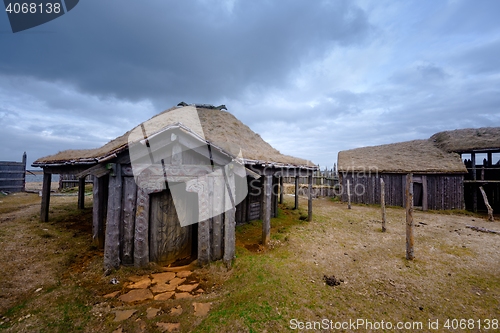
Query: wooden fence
13	176
69	181
325	177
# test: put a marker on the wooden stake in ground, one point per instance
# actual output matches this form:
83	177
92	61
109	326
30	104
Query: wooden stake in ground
490	210
409	217
382	202
348	194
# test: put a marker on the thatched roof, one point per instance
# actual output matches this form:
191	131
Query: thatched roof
220	128
464	140
418	156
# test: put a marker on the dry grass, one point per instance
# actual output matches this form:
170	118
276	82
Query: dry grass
468	139
455	273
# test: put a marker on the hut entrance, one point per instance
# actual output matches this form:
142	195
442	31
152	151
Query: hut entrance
169	243
417	193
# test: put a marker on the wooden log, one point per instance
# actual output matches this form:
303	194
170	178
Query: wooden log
310	199
382	203
481	229
217	202
204	251
410	255
490	210
229	221
113	219
348	194
44	212
129	202
282	191
81	193
99	211
266	212
141	233
296	193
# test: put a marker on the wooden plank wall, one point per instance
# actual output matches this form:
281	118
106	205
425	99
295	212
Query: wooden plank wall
443	191
13	175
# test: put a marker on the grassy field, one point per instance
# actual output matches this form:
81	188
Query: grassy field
53	280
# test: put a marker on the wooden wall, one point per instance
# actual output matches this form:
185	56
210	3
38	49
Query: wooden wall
444	191
13	176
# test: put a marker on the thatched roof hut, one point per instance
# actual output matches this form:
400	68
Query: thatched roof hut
468	139
170	188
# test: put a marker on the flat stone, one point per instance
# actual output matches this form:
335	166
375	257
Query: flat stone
141	284
124	314
201	309
177	311
152	312
136	295
163	277
176	281
164	296
168	327
111	295
200	291
183	295
184	274
188	287
161	288
136	278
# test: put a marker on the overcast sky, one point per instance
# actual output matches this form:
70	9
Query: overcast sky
311	77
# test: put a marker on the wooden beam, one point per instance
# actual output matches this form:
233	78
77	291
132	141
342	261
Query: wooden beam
309	198
382	203
266	203
282	190
217	204
348	194
141	237
99	211
128	224
81	193
490	210
410	255
296	193
229	222
113	219
44	212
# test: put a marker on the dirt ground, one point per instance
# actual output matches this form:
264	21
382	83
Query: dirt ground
52	278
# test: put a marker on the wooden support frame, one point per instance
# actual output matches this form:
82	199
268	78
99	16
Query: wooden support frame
266	204
113	218
309	198
81	193
44	211
296	206
100	197
410	255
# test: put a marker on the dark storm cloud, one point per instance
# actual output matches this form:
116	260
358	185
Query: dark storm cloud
162	50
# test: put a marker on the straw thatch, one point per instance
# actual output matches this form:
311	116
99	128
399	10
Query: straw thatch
463	140
220	128
418	156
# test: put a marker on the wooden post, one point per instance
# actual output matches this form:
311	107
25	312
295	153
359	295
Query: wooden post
24	173
44	213
141	237
474	185
81	193
348	194
309	198
113	218
266	202
425	203
282	190
217	202
129	202
99	211
229	224
382	202
296	193
409	217
490	210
